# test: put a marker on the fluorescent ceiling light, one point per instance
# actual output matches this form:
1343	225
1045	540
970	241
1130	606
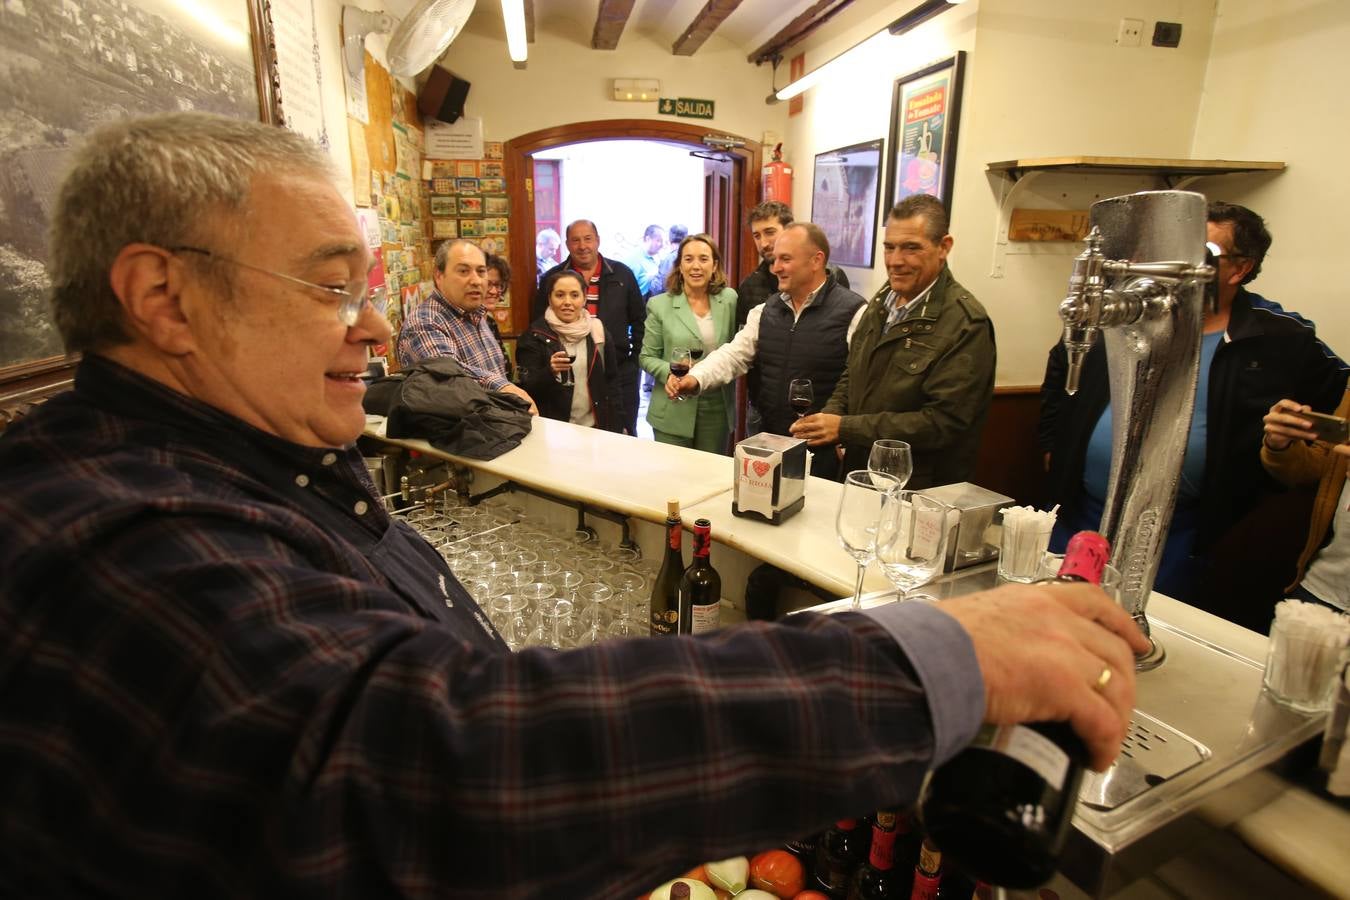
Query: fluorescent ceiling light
513	14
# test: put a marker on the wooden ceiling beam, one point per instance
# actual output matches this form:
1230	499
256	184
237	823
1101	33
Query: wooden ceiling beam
610	22
798	30
714	12
529	21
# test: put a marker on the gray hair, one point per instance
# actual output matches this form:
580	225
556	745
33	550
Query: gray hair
935	219
153	180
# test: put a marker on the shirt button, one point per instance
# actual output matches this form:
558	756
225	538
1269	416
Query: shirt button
329	459
361	507
302	480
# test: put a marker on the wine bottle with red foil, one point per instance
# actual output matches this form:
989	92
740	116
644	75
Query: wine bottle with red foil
701	586
665	602
879	879
927	873
841	850
1001	809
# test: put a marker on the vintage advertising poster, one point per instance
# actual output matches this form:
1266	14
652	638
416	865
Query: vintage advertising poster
925	116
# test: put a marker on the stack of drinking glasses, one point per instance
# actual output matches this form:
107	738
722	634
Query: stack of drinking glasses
540	587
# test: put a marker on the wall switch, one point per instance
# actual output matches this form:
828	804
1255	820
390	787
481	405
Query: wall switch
1130	33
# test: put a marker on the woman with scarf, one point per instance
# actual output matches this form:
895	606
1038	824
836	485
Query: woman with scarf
566	359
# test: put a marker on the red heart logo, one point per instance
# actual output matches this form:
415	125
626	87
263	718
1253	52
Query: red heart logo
760	467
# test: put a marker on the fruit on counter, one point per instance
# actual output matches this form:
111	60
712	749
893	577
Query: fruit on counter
754	894
697	890
778	872
811	895
729	874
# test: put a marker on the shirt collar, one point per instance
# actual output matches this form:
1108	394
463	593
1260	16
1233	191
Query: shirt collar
810	298
473	316
896	313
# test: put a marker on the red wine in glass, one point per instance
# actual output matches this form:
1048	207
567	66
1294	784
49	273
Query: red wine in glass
679	370
801	396
695	353
800	405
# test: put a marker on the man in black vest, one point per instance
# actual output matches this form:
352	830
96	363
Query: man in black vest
921	366
801	331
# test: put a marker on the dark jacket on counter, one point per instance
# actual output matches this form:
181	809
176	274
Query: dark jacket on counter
533	349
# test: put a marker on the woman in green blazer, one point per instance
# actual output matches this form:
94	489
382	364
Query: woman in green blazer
698	311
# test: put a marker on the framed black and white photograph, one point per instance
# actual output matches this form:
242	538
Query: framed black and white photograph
844	190
925	115
71	65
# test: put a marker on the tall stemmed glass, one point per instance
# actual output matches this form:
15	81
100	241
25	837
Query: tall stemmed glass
861	505
912	541
893	458
681	360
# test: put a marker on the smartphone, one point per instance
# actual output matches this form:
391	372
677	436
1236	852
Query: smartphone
1332	429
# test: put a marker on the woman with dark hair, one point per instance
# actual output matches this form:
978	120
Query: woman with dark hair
696	315
566	359
498	283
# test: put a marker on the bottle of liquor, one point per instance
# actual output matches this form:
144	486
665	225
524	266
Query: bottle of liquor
838	855
804	848
927	873
879	879
665	603
701	586
1002	808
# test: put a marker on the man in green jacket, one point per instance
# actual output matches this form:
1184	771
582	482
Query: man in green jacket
921	364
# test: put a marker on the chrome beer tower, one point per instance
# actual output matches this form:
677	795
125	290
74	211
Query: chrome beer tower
1140	286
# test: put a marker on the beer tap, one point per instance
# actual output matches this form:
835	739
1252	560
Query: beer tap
1139	286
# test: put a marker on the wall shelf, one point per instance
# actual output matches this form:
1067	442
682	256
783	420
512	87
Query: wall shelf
1016	176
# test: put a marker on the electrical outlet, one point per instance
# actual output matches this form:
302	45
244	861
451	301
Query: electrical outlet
1130	33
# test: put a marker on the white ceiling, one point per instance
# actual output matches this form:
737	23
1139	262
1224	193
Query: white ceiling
748	27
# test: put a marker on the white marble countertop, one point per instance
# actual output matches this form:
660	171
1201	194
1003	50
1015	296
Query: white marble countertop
805	545
608	470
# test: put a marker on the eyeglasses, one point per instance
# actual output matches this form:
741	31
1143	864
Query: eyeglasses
495	287
351	299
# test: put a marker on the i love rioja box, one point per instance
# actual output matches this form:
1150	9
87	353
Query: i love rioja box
770	477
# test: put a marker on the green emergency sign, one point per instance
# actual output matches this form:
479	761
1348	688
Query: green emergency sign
686	108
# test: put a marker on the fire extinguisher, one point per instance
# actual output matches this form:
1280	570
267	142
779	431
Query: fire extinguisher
777	178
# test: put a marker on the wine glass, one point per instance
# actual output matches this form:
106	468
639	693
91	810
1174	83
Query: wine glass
800	396
861	506
681	359
893	458
912	541
565	377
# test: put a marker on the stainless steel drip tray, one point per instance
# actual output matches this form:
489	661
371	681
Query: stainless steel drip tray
1202	723
1152	753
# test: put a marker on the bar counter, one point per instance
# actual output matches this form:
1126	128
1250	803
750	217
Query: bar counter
1209	688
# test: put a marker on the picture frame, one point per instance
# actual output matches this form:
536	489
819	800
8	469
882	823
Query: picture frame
496	206
471	228
491	169
492	185
470	206
925	121
496	226
466	185
60	103
466	168
845	190
443	206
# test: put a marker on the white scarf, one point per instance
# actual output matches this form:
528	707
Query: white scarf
574	332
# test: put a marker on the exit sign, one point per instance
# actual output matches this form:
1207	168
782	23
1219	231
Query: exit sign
686	108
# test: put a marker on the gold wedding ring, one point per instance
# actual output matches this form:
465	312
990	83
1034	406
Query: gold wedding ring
1103	679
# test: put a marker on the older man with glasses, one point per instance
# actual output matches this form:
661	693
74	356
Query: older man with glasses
229	672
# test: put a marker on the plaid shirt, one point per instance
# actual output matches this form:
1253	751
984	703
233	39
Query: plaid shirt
435	328
214	685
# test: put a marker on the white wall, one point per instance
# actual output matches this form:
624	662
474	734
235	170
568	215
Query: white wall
566	81
1044	79
1275	89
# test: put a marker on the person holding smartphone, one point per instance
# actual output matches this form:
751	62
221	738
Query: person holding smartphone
1301	447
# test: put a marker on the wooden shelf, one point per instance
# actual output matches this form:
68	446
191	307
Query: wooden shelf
1165	168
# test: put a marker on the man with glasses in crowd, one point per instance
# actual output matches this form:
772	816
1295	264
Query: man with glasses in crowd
454	321
1253	353
229	672
498	284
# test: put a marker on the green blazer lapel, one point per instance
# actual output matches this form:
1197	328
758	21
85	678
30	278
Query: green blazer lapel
724	315
679	305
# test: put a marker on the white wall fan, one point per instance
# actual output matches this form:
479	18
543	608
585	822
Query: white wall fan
417	41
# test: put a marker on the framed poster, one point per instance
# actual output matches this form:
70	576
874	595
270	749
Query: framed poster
925	115
73	64
844	194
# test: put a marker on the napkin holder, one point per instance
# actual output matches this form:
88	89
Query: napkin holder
770	481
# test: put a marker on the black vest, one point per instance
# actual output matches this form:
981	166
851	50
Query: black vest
815	347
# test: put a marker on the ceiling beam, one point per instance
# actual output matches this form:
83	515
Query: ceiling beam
529	21
798	30
609	23
714	12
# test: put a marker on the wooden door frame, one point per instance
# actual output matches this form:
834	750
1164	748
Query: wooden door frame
519	174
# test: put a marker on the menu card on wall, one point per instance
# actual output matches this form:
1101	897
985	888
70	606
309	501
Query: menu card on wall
461	140
301	88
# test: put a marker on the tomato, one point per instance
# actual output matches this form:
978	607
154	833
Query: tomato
811	895
778	872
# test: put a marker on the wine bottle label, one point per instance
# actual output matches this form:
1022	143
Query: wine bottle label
1031	748
882	854
665	622
707	618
